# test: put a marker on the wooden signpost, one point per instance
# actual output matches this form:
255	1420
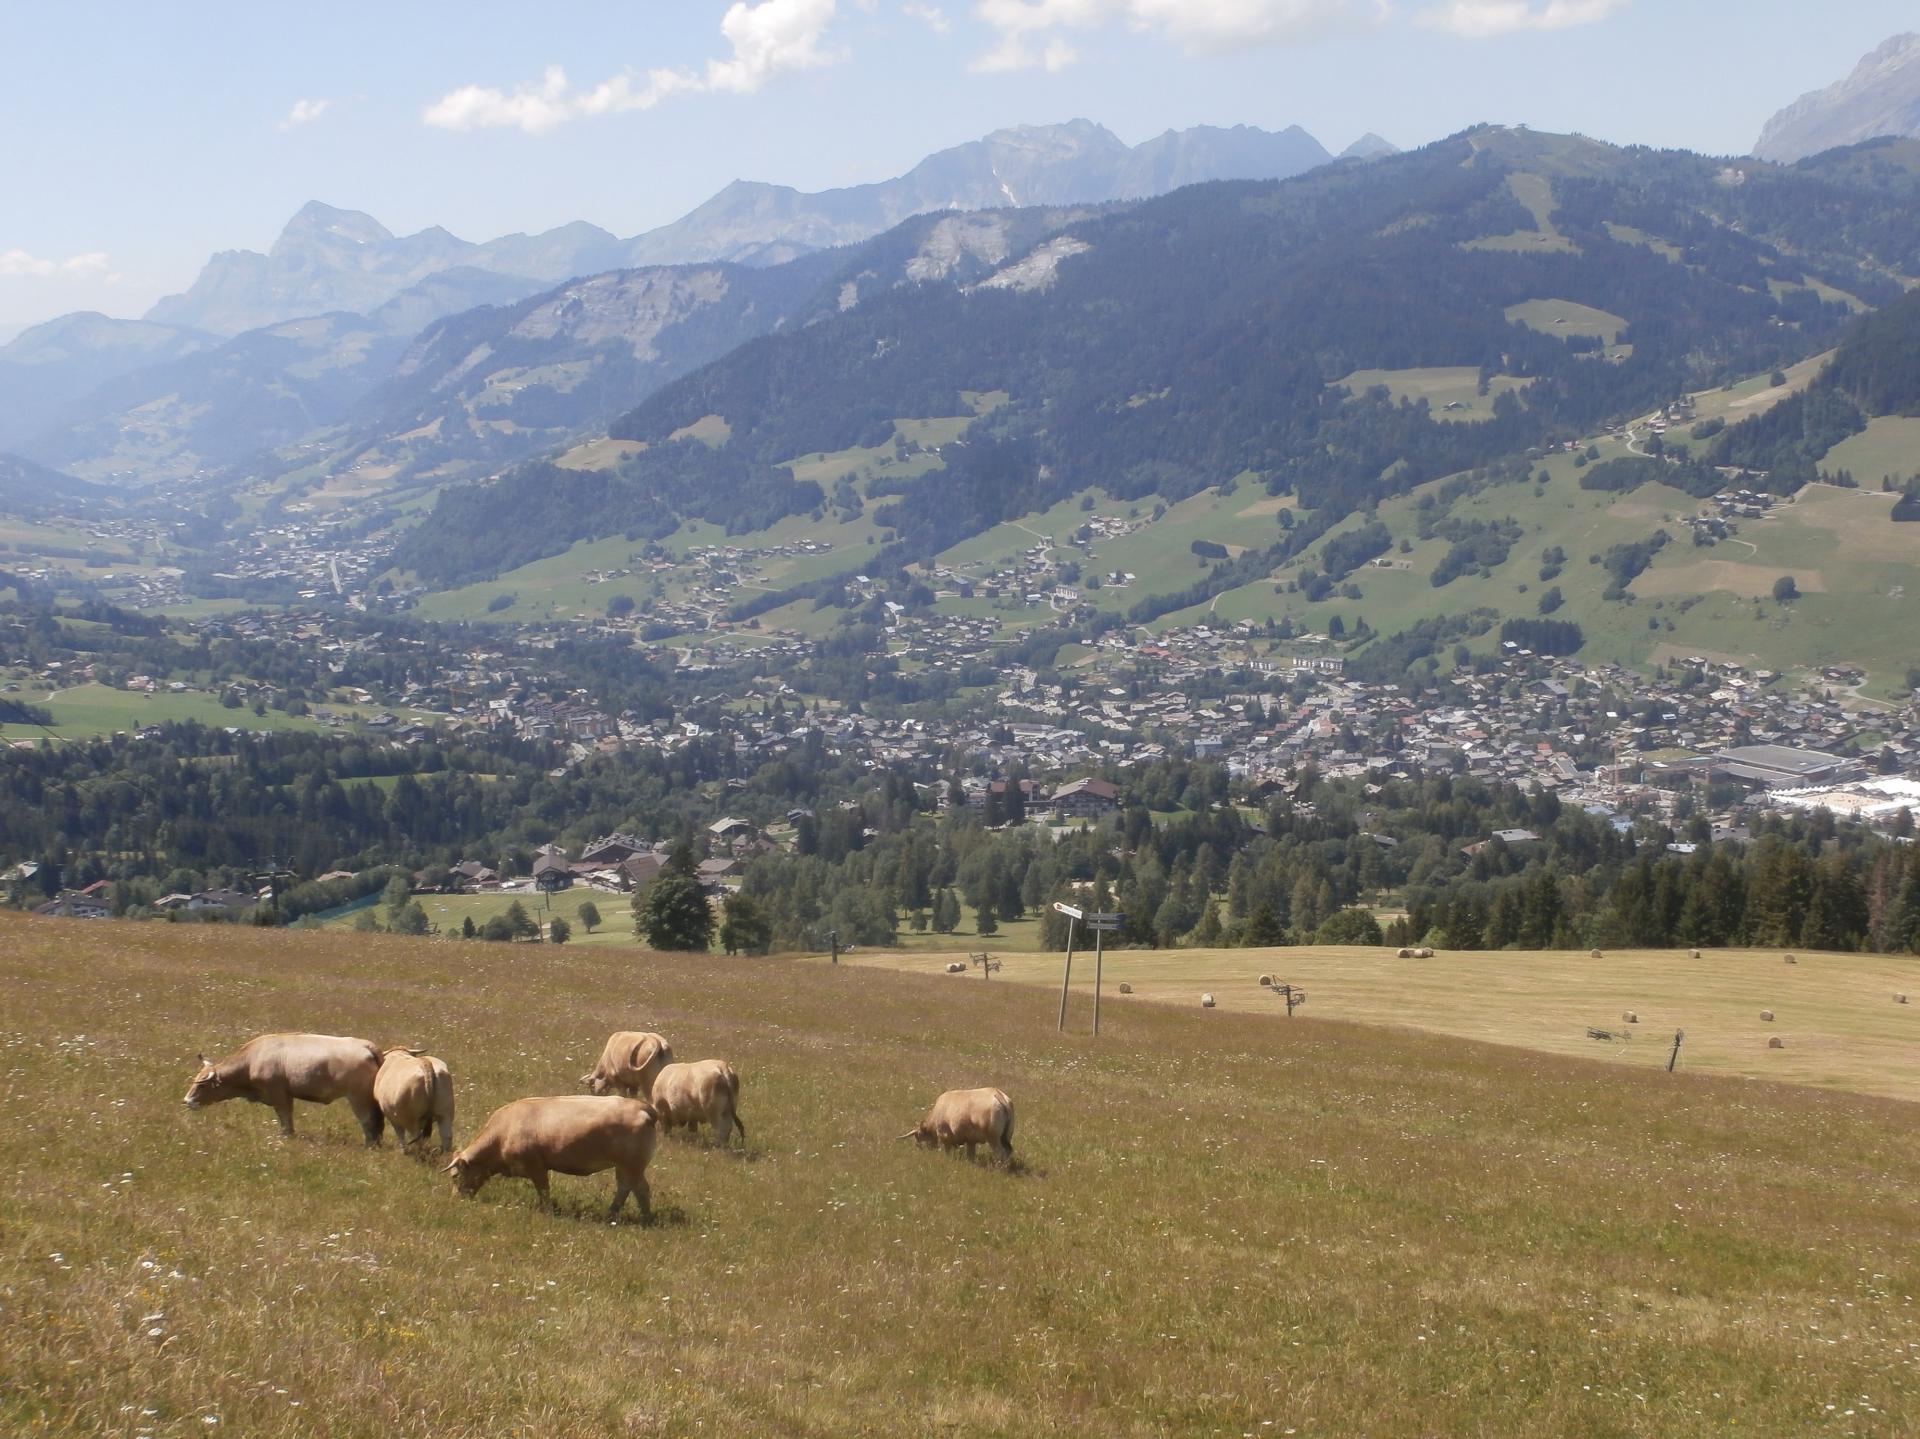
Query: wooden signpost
1102	925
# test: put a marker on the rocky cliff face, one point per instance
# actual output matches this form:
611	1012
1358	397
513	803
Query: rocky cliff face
1880	97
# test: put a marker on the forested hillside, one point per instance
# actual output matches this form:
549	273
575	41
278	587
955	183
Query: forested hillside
1191	340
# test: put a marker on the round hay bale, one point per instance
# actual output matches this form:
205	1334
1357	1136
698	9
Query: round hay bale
956	967
1206	1001
1404	954
1266	981
1776	1042
1791	960
1596	955
1423	954
1126	989
1630	1017
1693	954
1900	999
1766	1016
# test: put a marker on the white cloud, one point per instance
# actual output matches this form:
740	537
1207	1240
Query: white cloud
1029	30
1483	19
18	264
767	40
930	15
304	112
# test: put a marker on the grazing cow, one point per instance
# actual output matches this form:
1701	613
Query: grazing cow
628	1063
969	1117
415	1092
570	1134
706	1092
276	1069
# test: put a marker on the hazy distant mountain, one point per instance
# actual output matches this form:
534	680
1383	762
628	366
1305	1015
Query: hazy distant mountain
1080	161
1880	97
1369	147
329	260
46	368
27	488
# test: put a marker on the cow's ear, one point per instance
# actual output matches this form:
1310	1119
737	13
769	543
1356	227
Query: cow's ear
203	1060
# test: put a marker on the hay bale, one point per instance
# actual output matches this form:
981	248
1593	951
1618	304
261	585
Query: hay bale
956	968
1630	1017
1266	981
1766	1016
1423	954
1776	1042
1404	954
1693	954
1791	960
1206	1001
1126	989
1596	955
1899	999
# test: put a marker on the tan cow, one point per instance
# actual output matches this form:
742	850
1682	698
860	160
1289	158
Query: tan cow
569	1134
415	1092
706	1092
276	1069
628	1063
968	1117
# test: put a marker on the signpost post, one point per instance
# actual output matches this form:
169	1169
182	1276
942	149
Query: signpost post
1103	925
1066	974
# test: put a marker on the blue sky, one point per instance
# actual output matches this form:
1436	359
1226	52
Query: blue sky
137	138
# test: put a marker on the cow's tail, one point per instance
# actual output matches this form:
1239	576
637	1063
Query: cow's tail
733	1100
1006	1135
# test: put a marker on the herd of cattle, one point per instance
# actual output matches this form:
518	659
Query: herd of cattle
634	1093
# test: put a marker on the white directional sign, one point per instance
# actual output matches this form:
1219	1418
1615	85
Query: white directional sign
1068	910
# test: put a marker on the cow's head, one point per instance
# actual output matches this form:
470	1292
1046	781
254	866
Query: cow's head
208	1086
919	1134
464	1182
596	1082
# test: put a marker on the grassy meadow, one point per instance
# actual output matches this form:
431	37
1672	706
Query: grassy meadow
1220	1223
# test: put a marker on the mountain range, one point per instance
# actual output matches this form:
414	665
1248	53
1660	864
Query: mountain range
1202	338
1880	97
328	259
264	349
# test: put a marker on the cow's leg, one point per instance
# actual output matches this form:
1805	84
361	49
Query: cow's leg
446	1134
281	1103
372	1122
540	1188
972	1154
723	1127
635	1183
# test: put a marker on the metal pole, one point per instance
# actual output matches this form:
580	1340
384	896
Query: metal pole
1674	1058
1066	977
1099	951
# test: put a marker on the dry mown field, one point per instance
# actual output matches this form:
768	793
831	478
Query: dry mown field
1224	1223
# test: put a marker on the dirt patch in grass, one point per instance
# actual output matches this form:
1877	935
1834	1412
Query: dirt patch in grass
1697	577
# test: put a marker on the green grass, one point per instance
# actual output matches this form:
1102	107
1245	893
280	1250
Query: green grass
89	710
1536	193
1222	1222
448	910
1889	448
1567	319
1440	387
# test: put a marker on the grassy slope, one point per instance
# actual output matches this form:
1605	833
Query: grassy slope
91	709
1836	1012
1225	1223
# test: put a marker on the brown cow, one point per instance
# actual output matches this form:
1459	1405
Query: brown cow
569	1134
415	1092
628	1063
276	1069
969	1117
707	1092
